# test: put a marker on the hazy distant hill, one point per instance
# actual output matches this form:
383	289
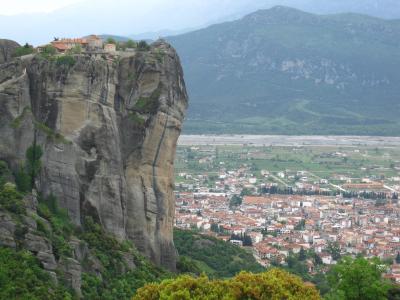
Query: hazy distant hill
389	9
118	38
286	71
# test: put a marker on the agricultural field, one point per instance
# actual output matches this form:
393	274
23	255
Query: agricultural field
331	166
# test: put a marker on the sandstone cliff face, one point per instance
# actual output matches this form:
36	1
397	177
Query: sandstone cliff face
108	126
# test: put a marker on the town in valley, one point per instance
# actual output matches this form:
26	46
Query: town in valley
327	199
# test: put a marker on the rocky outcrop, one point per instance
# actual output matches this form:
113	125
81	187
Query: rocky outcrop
7	48
21	232
7	229
73	271
108	126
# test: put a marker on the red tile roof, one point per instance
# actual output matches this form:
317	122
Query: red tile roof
60	46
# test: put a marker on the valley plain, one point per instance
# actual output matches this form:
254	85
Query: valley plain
297	202
328	159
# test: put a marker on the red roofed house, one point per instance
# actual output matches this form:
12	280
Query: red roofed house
60	47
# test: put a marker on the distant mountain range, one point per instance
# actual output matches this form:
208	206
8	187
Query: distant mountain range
284	71
146	19
389	9
146	36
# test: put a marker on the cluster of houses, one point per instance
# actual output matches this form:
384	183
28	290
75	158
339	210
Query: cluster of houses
92	43
282	224
289	210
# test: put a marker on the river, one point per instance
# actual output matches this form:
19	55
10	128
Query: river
286	140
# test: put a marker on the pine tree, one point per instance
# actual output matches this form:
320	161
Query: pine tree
302	254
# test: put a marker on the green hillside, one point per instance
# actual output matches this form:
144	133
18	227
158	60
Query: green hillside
110	269
284	71
216	258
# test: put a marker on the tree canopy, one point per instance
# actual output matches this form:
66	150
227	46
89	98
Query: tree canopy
21	277
24	50
274	284
130	44
110	40
216	258
358	279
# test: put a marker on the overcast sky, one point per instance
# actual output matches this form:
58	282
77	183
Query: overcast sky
32	6
38	21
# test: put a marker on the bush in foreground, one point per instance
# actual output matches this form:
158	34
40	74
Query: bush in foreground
358	279
274	284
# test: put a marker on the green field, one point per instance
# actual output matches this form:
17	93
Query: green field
326	162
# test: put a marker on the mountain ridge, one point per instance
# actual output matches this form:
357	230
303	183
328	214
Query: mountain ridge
284	71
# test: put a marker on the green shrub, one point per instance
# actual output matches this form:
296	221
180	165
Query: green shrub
22	180
61	226
214	257
65	60
137	119
44	211
41	226
187	265
358	279
11	199
77	49
51	134
274	284
24	50
26	175
21	277
61	248
143	46
160	55
115	281
115	284
149	104
5	173
19	235
33	163
131	44
48	51
110	40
